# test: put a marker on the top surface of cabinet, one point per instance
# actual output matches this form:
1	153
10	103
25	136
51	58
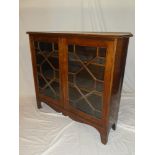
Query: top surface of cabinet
93	34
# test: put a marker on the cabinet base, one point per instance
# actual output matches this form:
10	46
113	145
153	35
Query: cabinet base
114	126
39	104
103	133
104	138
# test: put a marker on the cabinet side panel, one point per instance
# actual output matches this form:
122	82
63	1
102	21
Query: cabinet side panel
118	75
108	81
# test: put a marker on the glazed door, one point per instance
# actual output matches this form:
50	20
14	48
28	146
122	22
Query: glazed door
47	64
86	66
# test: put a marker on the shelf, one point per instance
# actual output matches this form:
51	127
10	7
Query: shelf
49	76
88	102
99	93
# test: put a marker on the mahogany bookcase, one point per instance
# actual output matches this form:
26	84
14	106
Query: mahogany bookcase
80	74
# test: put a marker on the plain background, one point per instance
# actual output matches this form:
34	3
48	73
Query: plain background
145	83
74	15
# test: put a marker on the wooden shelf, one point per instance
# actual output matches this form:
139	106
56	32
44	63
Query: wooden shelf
86	90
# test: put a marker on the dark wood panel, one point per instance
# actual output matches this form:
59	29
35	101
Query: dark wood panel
63	70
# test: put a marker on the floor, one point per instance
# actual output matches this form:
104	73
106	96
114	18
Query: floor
46	132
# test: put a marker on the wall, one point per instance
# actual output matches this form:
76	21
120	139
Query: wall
74	15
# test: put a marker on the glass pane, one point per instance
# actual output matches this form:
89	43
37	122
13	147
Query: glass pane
47	68
86	78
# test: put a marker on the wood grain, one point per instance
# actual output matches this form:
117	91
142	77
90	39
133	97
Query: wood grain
116	45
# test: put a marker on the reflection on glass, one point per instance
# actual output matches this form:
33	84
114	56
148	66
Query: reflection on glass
85	76
47	68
